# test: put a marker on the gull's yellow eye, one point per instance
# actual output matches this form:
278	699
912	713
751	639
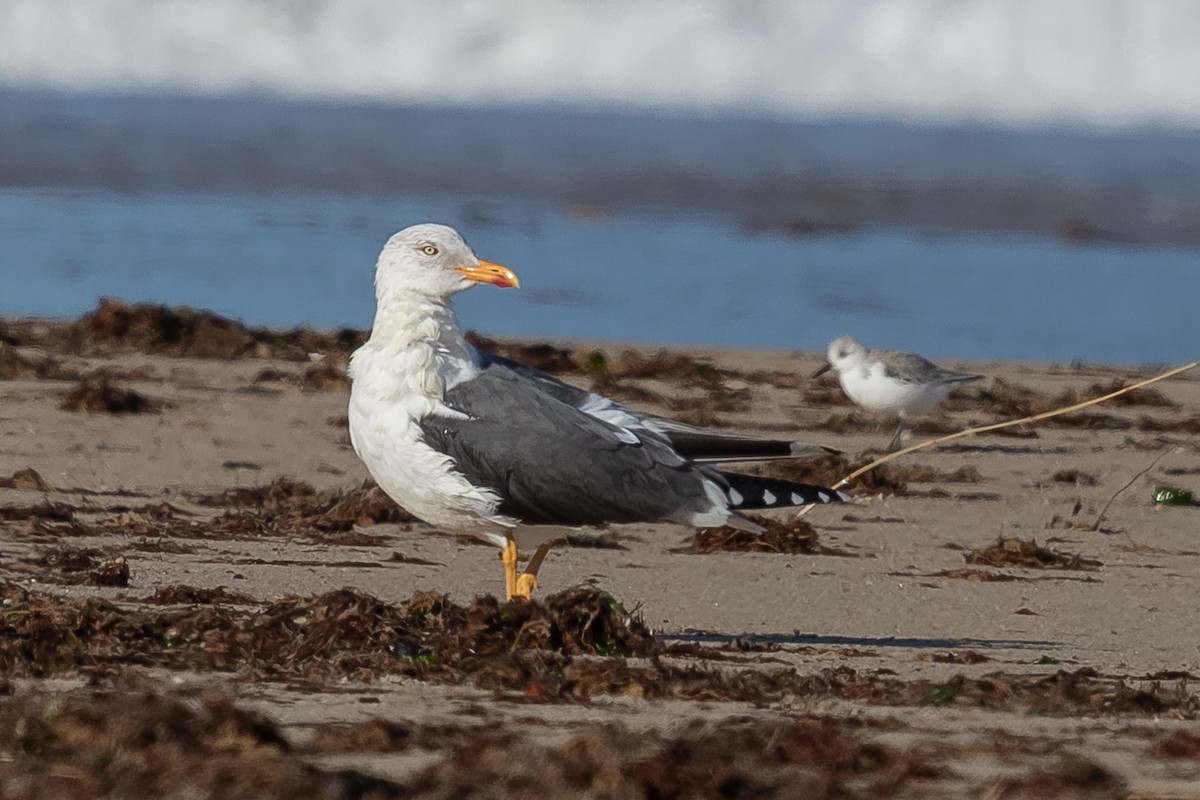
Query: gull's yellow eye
429	250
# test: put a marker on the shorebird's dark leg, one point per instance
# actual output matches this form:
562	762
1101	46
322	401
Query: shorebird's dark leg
527	581
895	443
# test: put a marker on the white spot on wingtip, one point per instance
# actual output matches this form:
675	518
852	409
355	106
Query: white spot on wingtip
735	497
824	497
797	500
769	498
627	436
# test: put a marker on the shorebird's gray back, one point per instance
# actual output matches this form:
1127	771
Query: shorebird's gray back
912	368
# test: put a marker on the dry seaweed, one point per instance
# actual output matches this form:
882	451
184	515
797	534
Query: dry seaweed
976	575
383	736
77	565
1009	401
180	594
28	479
665	365
148	742
931	427
282	508
45	511
15	364
144	739
342	633
290	506
954	657
158	329
325	376
1013	552
1074	476
795	536
848	423
1177	745
780	379
117	326
738	759
569	648
104	397
608	385
1074	777
1189	425
826	394
541	356
828	470
1134	397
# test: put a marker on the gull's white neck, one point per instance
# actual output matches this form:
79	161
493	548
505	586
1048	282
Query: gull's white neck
416	348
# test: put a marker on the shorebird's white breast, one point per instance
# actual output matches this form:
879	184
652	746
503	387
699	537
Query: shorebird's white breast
870	387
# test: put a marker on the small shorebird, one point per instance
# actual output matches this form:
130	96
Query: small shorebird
478	444
890	381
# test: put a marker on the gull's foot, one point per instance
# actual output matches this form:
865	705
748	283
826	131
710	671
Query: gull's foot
526	583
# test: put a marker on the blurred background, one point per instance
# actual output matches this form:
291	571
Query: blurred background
963	178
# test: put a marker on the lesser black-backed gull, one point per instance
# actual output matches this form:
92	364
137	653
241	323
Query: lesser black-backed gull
478	444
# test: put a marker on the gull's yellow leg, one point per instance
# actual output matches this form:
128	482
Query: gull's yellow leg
509	557
527	581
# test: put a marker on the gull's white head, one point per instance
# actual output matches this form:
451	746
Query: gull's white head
843	354
434	261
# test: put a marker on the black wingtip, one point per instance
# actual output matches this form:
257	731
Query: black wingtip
748	492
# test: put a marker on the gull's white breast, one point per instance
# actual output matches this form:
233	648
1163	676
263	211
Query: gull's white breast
391	391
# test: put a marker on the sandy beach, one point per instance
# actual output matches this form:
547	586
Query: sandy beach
191	547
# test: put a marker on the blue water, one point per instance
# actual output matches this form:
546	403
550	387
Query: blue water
295	258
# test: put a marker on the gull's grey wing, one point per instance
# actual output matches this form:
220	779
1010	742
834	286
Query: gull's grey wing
698	444
710	446
553	463
912	368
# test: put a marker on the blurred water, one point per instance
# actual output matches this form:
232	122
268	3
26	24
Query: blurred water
303	258
987	178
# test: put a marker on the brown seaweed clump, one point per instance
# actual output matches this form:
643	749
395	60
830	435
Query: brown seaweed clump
1073	777
795	536
153	328
575	645
28	479
101	396
1013	552
83	565
1012	401
342	633
179	594
116	326
1188	425
325	377
287	505
539	356
738	759
146	742
282	508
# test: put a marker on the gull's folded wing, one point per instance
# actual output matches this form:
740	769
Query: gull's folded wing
703	445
